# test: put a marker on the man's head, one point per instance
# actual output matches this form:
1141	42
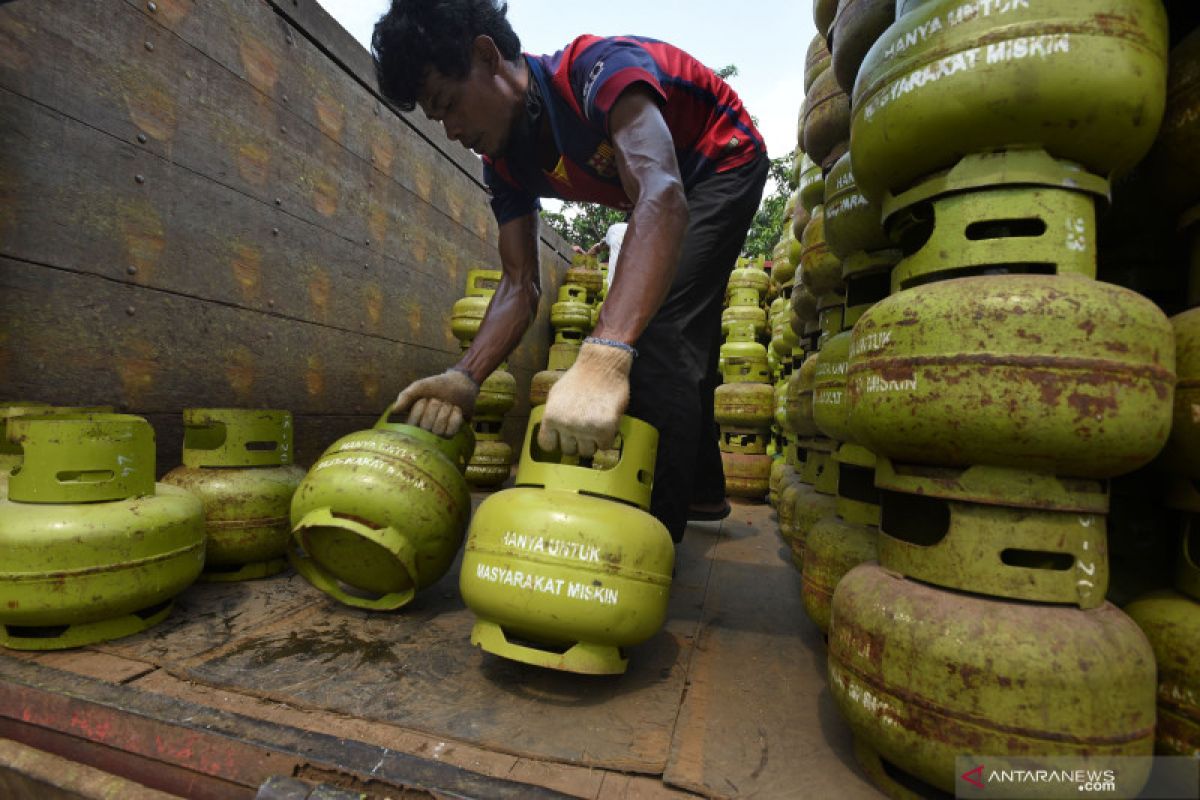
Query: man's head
460	61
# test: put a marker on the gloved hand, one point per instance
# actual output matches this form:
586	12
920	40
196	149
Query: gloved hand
584	407
441	403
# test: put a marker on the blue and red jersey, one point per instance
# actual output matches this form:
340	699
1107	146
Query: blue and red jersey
579	85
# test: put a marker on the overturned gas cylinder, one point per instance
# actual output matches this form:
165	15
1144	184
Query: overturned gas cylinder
382	514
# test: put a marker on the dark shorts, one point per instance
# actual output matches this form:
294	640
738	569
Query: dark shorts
675	374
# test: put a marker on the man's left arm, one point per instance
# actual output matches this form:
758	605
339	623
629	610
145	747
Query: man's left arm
585	406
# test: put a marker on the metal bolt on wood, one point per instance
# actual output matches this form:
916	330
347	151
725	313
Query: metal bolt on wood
141	137
152	7
150	46
140	178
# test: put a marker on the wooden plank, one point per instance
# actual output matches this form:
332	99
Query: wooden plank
210	615
758	719
68	338
194	750
29	773
101	666
417	669
309	17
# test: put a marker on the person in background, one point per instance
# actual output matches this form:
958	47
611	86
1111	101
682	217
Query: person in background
635	124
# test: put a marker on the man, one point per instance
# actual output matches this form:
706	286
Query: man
634	124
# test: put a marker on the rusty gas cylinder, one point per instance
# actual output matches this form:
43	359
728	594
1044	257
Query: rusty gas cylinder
93	549
1094	72
852	222
1052	373
831	410
820	269
239	462
999	532
868	279
589	277
492	459
856	26
824	12
468	312
817	59
826	118
831	314
747	475
923	675
832	548
812	184
1171	621
1177	154
799	221
381	514
800	399
804	302
744	405
1182	453
1013	211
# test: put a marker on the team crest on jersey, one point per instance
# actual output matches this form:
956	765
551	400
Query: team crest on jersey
604	161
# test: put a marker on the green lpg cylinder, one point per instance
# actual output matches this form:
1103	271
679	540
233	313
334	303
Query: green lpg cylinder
93	548
1017	211
381	514
820	269
820	473
569	568
747	475
856	26
831	314
831	409
812	184
824	12
832	548
799	221
587	276
781	471
10	452
923	676
750	276
804	303
572	309
1182	453
1171	621
1051	373
998	532
852	222
239	463
467	313
826	120
800	390
868	279
943	82
816	60
1177	153
491	461
744	405
744	314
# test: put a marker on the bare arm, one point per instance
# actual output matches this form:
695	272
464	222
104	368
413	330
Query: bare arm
515	302
650	251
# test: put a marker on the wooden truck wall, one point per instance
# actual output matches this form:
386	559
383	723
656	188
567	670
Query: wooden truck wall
207	203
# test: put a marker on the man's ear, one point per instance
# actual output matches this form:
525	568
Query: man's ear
485	52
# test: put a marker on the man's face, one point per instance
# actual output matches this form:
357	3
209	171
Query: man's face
476	111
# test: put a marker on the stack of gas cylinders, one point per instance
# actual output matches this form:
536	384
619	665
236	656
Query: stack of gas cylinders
572	317
971	388
492	459
744	403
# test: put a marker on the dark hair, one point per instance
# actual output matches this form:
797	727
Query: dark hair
417	34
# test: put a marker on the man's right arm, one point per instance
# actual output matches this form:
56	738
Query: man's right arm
515	303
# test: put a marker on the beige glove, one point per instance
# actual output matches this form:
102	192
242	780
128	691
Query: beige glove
439	404
585	406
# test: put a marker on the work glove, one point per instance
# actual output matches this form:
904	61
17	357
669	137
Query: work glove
585	406
441	403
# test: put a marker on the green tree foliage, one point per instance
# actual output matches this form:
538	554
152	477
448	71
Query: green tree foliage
585	224
767	226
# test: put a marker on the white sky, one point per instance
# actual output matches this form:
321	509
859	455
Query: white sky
766	40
